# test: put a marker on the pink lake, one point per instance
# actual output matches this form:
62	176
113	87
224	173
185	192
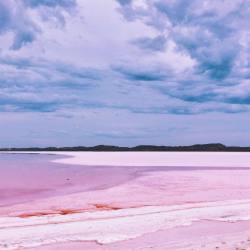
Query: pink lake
50	205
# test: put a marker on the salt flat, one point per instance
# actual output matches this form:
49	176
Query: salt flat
201	206
192	159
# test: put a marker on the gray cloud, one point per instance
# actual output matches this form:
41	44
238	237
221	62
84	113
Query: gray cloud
208	33
50	3
154	44
213	35
124	2
143	74
15	18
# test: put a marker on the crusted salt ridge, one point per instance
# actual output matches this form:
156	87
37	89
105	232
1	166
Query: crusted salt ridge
112	225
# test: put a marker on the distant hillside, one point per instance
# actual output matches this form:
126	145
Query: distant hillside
197	147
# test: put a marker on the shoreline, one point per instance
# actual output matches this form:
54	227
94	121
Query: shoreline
150	159
134	227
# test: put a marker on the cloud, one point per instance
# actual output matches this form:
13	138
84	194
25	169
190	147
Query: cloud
50	3
22	38
13	19
140	74
177	11
207	32
16	18
5	17
124	2
43	86
212	34
52	10
154	44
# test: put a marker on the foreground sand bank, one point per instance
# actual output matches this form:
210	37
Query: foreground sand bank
198	236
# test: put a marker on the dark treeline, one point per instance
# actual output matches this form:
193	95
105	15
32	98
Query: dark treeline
197	147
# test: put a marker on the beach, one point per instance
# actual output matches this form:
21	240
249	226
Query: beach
108	200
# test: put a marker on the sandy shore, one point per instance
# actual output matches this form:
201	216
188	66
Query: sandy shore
159	208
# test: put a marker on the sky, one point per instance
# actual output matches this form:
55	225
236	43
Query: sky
124	72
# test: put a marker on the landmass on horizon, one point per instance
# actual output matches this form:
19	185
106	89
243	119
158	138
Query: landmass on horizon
196	147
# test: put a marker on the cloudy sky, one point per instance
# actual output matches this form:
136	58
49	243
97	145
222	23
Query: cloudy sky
124	72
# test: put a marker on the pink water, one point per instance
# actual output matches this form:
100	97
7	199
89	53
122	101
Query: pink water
30	176
25	177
